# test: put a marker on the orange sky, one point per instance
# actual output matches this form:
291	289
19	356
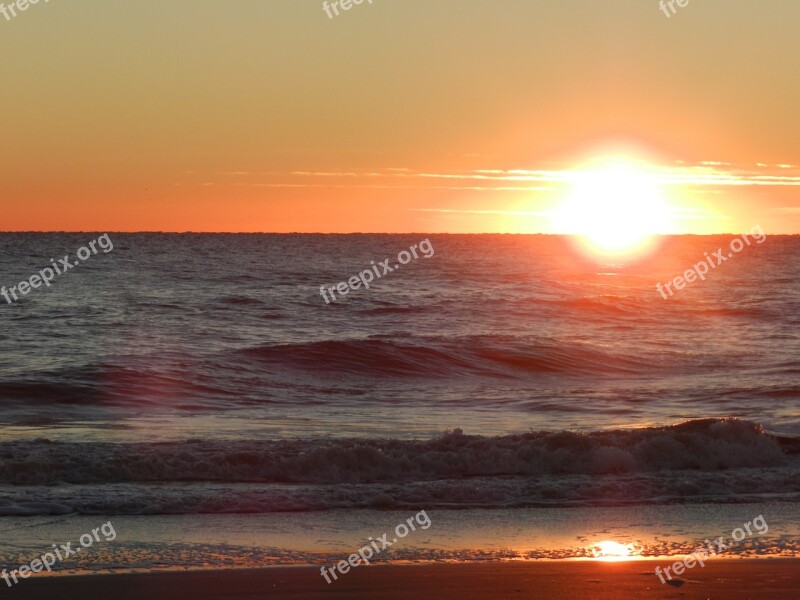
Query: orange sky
457	116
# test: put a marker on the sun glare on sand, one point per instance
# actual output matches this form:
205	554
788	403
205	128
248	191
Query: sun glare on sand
614	208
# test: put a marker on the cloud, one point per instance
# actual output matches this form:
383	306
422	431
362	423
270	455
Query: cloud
705	176
524	213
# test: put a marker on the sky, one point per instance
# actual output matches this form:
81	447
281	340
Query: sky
396	116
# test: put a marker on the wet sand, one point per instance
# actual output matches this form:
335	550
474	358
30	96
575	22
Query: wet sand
776	579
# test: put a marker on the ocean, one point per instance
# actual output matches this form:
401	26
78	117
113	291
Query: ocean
199	391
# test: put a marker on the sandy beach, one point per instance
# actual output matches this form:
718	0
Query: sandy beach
775	579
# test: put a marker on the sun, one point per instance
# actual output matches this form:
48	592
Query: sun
614	208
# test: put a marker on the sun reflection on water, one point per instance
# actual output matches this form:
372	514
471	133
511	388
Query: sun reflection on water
609	550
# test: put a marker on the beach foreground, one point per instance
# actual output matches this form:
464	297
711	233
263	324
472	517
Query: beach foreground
732	580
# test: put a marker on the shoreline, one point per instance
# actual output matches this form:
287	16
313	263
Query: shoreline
734	579
402	564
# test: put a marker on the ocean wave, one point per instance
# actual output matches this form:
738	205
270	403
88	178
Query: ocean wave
109	385
474	355
709	445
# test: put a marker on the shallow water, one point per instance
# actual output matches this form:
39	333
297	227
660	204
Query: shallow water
248	541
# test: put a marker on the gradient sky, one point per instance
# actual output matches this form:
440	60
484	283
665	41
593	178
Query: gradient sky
403	115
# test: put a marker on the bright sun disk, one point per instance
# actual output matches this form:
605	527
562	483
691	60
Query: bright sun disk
614	209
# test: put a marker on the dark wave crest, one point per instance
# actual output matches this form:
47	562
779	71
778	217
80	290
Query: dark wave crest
475	356
704	445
